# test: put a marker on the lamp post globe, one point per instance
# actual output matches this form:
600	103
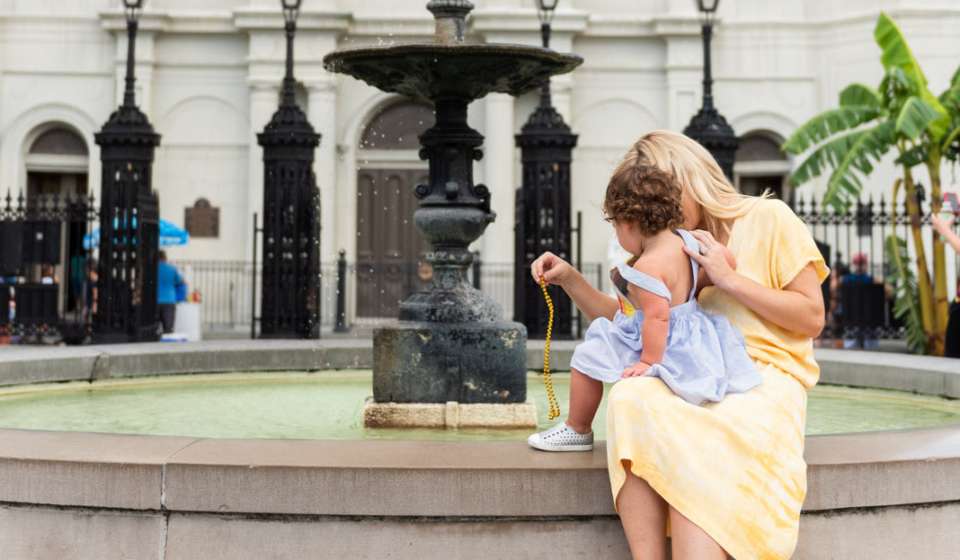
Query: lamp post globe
545	10
291	9
132	9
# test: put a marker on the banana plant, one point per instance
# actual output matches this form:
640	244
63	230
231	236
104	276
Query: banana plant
903	116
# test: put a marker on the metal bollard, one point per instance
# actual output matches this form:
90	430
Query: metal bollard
341	323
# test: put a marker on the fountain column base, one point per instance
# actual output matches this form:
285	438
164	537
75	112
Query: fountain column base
468	362
450	415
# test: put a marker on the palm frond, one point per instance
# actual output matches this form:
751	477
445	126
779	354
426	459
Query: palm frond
845	183
896	51
826	156
950	99
906	305
828	123
915	116
859	95
897	54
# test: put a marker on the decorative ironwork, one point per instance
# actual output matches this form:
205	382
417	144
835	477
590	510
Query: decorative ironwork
129	220
708	126
543	203
290	304
46	285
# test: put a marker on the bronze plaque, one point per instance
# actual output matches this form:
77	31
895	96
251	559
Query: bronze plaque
202	220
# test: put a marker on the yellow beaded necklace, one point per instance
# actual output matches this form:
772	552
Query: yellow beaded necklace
547	379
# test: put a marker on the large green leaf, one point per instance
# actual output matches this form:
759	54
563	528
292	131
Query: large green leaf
896	51
868	148
897	54
859	95
915	116
906	305
828	123
826	156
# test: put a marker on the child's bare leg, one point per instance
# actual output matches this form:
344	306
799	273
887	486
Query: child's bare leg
585	396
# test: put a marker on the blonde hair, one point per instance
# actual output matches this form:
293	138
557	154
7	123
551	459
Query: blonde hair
698	176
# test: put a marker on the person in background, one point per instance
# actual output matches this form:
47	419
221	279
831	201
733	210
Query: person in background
835	310
952	347
859	276
169	284
90	290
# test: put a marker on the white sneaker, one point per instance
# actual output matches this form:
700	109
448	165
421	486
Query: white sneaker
561	438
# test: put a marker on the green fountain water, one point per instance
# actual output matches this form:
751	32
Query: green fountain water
327	405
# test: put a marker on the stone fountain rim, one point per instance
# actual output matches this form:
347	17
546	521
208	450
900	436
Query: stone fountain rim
306	477
454	49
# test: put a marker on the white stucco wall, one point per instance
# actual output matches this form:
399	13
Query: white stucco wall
208	73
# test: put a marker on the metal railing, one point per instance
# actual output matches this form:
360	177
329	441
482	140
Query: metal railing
228	291
860	234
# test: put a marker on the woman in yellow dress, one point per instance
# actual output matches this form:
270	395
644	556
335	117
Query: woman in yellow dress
723	478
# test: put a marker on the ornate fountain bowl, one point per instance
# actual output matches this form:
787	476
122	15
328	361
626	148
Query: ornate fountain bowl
433	71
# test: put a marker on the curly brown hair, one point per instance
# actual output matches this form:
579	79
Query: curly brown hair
643	195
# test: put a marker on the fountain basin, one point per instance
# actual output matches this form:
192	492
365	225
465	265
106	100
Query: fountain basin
886	494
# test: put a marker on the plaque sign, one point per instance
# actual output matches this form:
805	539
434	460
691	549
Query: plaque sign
202	220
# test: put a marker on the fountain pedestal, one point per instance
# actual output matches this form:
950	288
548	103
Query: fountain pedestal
450	359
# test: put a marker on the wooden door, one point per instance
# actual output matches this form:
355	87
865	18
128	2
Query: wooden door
389	247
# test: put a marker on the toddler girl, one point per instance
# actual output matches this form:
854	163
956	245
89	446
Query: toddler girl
659	329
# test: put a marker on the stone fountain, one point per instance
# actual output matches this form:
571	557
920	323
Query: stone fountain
451	359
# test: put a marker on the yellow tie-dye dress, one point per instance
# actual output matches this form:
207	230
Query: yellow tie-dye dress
734	468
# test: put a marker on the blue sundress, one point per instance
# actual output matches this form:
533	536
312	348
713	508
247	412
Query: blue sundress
705	356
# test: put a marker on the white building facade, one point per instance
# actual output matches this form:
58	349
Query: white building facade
209	73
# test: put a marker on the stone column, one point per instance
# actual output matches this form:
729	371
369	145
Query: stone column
499	154
264	96
322	114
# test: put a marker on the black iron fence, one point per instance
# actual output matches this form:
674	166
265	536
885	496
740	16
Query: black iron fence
858	297
227	295
47	273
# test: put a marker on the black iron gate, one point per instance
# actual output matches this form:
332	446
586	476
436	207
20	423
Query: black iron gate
47	271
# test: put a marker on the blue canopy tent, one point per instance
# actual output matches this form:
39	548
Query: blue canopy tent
170	236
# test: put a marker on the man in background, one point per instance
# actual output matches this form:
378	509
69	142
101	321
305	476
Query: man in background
170	286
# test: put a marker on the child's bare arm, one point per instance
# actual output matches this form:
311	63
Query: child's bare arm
656	324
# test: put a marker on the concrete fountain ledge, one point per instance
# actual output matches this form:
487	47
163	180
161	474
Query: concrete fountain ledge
167	498
94	496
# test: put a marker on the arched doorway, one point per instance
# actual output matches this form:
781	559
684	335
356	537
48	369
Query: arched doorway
56	161
761	165
390	249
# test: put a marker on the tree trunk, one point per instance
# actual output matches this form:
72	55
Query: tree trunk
924	286
941	308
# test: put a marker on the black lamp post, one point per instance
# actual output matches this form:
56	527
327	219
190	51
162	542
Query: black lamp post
542	202
290	298
129	220
708	127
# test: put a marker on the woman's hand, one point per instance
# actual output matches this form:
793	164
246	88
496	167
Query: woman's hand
945	229
636	370
553	269
940	225
712	258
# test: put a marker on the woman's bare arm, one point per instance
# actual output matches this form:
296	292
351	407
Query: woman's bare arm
798	307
